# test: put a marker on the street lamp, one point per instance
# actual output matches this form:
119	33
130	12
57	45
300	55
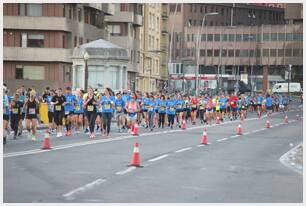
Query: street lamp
86	57
198	49
289	75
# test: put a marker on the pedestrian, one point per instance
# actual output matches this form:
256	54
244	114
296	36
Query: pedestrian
107	111
90	104
16	108
59	101
32	106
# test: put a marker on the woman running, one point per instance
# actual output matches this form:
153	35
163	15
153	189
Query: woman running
171	110
16	109
132	107
144	107
78	113
90	104
194	106
162	111
59	101
108	106
32	106
151	112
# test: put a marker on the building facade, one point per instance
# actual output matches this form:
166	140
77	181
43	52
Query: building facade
153	47
39	39
242	42
124	29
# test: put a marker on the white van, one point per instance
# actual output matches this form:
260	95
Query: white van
283	87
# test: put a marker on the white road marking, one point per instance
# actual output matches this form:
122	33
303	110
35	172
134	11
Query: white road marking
158	158
235	136
200	145
184	149
130	169
220	140
247	133
88	186
118	138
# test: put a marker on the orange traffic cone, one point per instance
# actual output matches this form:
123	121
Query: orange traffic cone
183	124
135	130
135	158
218	120
286	119
46	143
239	129
268	124
204	137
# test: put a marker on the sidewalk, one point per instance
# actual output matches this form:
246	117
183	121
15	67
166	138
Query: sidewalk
294	159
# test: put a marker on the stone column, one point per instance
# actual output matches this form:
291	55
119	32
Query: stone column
265	74
120	77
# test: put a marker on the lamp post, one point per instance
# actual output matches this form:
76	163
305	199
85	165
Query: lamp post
289	77
86	57
198	50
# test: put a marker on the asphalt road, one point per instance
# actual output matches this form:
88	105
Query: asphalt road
176	168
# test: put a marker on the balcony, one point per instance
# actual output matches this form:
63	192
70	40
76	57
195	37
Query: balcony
164	15
37	54
121	17
137	20
108	9
94	6
164	30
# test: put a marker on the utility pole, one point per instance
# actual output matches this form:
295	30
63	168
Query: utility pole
289	77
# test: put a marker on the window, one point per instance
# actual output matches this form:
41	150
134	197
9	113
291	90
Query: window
224	53
237	53
19	72
80	41
210	37
266	37
192	38
259	37
244	53
231	37
274	37
265	52
30	9
217	37
222	11
75	41
289	37
30	72
288	52
224	37
24	38
188	37
297	37
258	53
123	7
231	53
251	53
296	52
281	37
246	37
202	52
280	53
114	30
272	52
216	52
36	40
238	37
209	52
79	14
203	37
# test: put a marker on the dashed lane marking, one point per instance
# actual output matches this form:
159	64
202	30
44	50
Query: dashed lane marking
158	158
183	150
220	140
130	169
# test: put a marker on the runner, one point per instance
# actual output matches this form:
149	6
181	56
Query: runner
16	109
48	100
69	108
6	114
78	112
269	104
108	106
32	106
119	105
223	101
59	101
194	106
132	107
90	104
171	110
180	109
151	111
162	111
202	105
233	106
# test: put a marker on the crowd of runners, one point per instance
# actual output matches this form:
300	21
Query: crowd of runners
93	112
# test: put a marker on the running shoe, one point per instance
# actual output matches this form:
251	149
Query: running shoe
33	137
59	134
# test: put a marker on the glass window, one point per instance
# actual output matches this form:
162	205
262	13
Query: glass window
288	52
209	52
188	37
266	37
272	52
238	37
280	52
265	52
22	10
296	52
237	53
231	53
252	37
217	37
79	14
289	37
224	53
36	40
258	53
193	37
274	37
246	37
251	53
114	30
216	52
224	37
244	53
34	9
202	52
281	37
203	37
259	37
18	72
231	37
34	72
297	37
210	37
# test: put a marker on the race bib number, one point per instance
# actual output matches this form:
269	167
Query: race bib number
232	102
77	108
58	107
162	108
147	107
107	106
194	106
32	111
242	107
66	112
15	110
119	108
201	107
179	106
171	108
90	108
